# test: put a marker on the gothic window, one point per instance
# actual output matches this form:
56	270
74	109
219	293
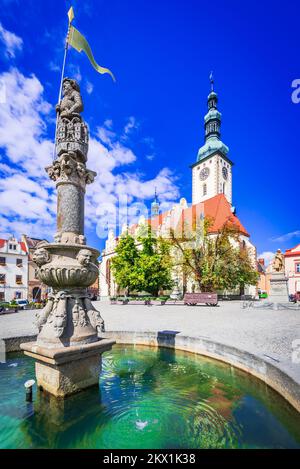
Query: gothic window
204	189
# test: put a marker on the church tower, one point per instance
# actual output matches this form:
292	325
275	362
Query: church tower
212	173
155	206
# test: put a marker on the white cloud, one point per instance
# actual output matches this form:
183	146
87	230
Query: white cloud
12	42
268	256
287	237
131	125
27	196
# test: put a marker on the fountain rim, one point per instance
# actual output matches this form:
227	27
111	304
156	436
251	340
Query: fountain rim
259	366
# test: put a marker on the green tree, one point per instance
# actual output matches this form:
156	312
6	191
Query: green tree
124	263
216	262
154	265
143	264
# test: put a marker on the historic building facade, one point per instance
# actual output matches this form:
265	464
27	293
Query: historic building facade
37	291
211	197
13	269
292	269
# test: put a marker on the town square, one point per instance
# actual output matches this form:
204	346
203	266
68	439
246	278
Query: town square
149	235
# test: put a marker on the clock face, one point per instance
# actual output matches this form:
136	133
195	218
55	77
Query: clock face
204	173
225	172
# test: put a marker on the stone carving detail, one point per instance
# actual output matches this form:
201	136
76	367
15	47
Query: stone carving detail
66	275
59	315
94	316
67	169
278	263
66	265
84	257
41	256
71	104
41	316
69	238
72	132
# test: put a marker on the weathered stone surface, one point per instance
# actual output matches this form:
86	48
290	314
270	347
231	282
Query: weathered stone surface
65	371
279	293
69	320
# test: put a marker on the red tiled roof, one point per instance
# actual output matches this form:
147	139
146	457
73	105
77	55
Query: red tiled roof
2	243
217	208
291	252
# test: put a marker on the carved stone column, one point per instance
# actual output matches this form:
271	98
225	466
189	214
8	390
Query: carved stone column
68	348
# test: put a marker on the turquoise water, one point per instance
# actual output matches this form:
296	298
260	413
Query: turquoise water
148	398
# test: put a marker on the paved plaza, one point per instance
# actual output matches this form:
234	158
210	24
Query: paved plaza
263	332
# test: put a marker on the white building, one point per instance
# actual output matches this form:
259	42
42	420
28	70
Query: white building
211	197
13	269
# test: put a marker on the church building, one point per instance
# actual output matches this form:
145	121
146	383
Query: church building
211	198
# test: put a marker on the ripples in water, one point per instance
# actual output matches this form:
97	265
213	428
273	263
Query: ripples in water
148	398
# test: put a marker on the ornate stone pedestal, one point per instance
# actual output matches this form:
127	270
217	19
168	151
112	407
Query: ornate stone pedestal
279	289
68	348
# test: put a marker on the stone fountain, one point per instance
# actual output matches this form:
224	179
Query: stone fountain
68	348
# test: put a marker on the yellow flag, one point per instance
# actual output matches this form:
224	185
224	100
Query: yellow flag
78	41
71	15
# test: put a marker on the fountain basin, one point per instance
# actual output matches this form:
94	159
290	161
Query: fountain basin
148	398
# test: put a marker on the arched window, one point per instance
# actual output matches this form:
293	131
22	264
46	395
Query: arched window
204	189
224	187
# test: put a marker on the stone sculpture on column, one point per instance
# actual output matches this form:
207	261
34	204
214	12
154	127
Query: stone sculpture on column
68	348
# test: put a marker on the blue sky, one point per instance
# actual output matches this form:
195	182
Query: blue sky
147	127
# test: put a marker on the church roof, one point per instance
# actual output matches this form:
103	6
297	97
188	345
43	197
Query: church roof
217	208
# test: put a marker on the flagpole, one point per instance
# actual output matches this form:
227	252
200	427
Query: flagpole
61	83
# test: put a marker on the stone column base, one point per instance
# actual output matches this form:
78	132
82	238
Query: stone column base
67	370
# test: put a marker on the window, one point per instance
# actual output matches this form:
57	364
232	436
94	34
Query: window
204	189
224	187
19	262
2	260
297	267
13	247
2	297
18	295
2	278
18	279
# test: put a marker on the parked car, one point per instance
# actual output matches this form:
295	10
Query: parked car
21	304
262	294
3	306
294	297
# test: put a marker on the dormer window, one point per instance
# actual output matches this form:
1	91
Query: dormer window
12	247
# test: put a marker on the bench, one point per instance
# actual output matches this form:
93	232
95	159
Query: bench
210	299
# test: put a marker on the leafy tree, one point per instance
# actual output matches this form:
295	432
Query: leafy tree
217	262
154	265
142	265
124	263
